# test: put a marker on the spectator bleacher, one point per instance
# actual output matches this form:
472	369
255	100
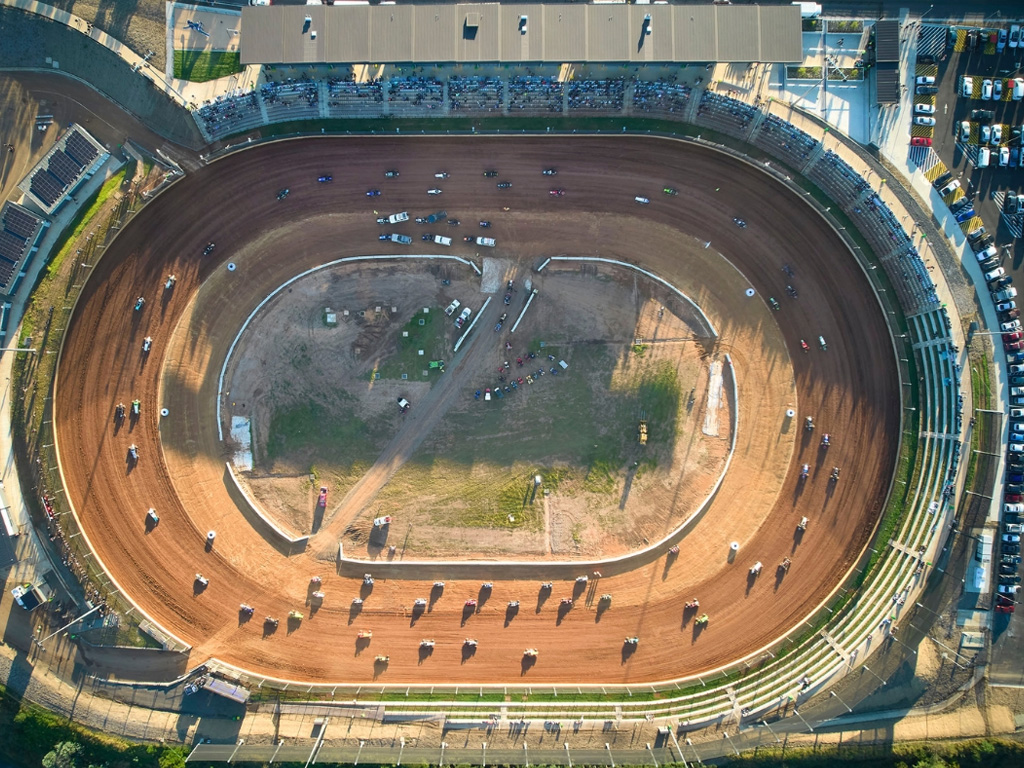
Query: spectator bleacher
476	95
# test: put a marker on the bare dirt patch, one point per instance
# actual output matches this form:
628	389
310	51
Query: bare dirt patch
322	399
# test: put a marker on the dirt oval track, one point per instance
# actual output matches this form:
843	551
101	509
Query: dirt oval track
852	389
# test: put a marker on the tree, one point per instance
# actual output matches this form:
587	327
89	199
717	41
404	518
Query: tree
63	755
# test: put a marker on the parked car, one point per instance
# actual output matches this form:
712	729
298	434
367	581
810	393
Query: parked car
965	131
967	215
986	134
995	274
924	109
997	90
1004	157
1001	40
920	141
927	79
967	87
997	134
986	90
461	319
926	90
922	120
983	115
950	188
1014	35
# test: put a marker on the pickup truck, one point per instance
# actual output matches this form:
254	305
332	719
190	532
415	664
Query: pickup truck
401	239
488	241
441	240
394	218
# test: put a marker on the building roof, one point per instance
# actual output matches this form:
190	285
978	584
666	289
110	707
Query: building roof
535	33
887	41
19	231
62	169
887	83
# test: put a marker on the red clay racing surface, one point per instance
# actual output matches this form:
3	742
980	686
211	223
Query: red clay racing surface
852	389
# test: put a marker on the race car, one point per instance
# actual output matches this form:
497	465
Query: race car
485	224
670	191
550	172
209	249
373	193
392	174
434	191
283	194
325	179
556	192
504	185
490	174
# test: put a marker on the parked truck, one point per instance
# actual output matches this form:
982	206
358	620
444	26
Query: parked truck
487	241
394	218
402	239
440	240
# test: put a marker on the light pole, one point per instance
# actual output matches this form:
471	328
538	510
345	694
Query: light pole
358	752
401	749
835	695
774	735
927	12
567	755
483	761
797	713
726	734
441	761
879	679
58	631
652	754
608	749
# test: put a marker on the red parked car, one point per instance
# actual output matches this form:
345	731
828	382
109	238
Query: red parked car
920	141
1014	346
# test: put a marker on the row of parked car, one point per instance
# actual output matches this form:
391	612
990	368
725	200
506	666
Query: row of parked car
992	88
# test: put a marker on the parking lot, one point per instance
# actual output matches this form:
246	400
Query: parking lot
956	58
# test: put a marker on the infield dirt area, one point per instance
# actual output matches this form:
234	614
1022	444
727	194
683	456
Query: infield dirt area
851	390
321	402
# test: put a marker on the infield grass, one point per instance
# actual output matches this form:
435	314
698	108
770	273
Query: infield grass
202	66
477	470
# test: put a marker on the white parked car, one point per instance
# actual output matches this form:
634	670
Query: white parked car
1004	156
461	319
997	134
986	89
452	307
1013	325
965	131
1018	508
924	109
1001	41
967	87
986	133
927	80
1014	35
924	121
997	90
995	274
1018	368
949	188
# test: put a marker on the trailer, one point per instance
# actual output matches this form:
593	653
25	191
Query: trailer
435	217
224	688
29	596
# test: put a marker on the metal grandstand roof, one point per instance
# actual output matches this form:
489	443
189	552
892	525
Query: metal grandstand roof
62	169
887	83
887	41
554	33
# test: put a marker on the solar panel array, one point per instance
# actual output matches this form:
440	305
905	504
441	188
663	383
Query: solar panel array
64	167
16	231
47	187
80	149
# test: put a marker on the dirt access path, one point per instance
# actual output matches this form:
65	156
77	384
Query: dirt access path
851	390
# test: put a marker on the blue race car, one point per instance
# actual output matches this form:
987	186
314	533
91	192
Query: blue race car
373	193
325	179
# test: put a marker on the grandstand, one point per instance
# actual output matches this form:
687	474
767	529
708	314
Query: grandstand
20	233
74	158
